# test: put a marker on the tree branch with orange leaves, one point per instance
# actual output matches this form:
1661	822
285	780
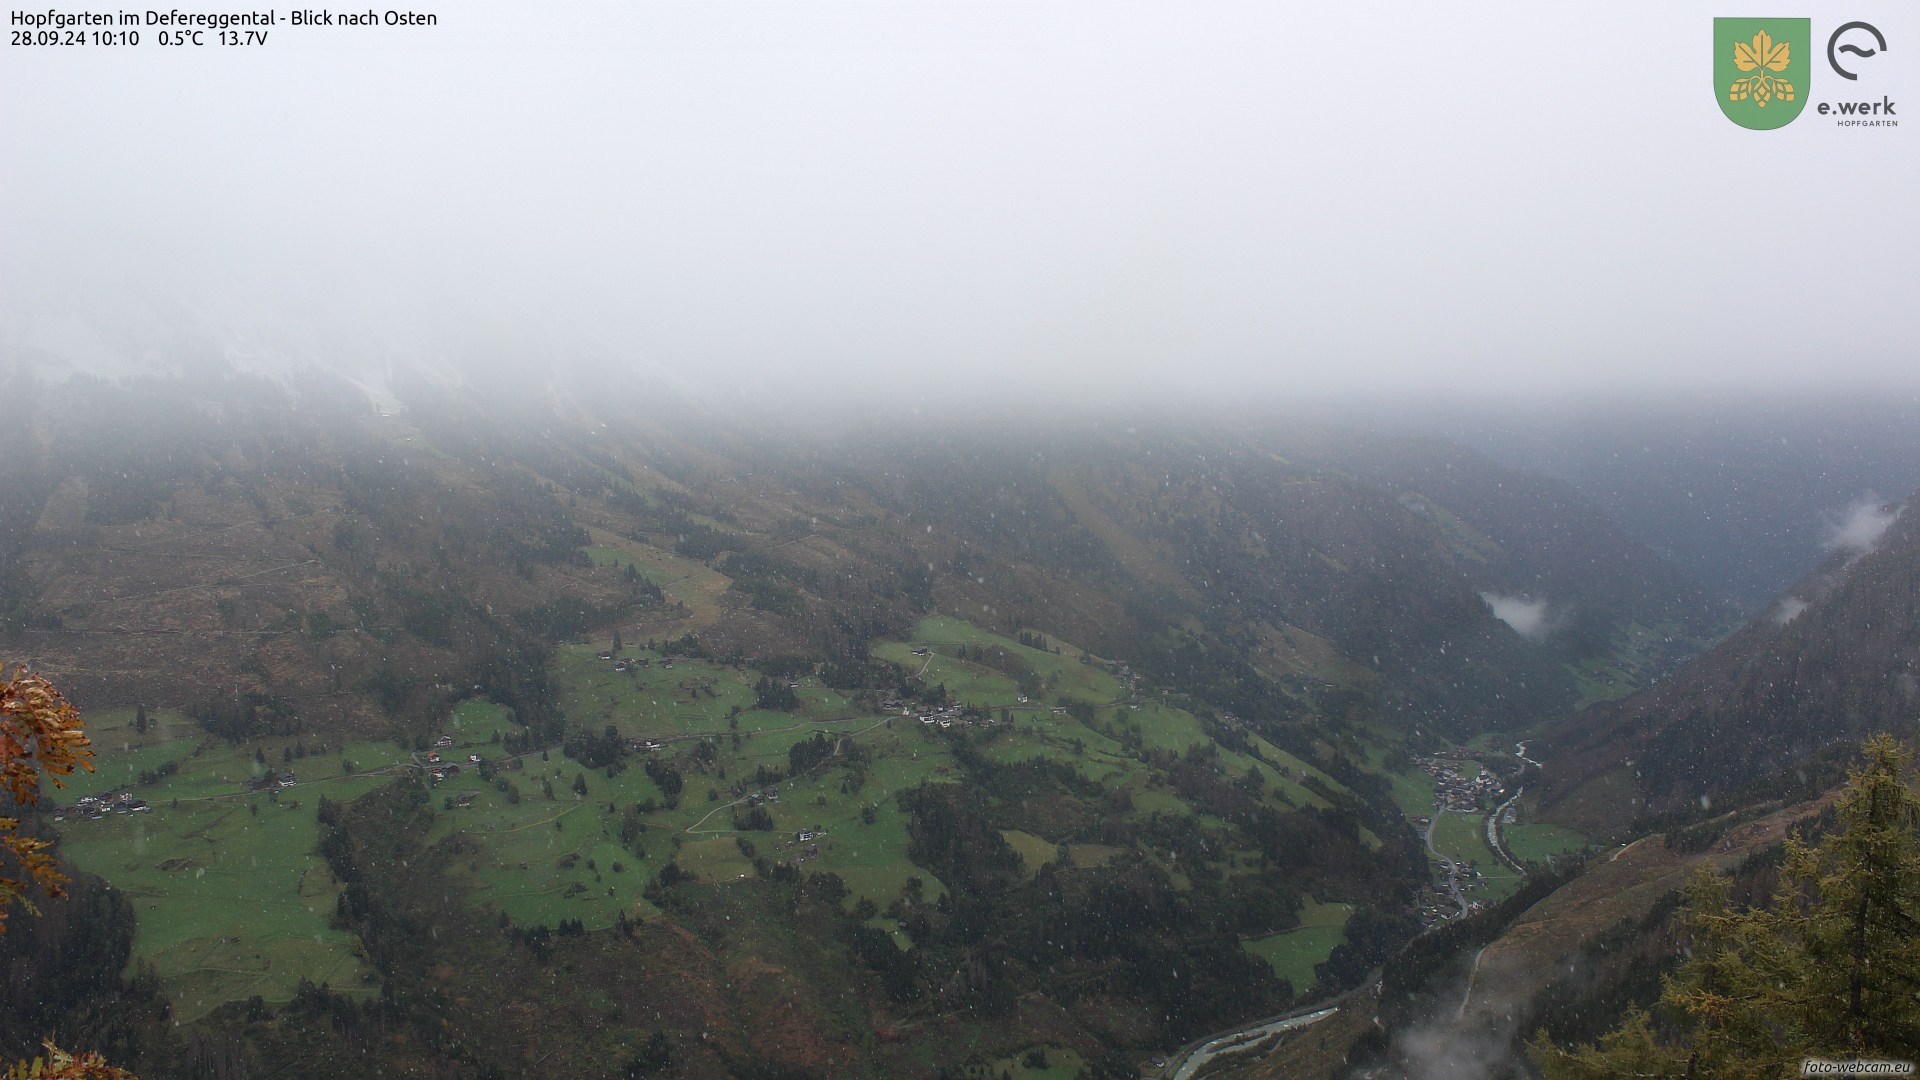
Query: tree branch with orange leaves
41	736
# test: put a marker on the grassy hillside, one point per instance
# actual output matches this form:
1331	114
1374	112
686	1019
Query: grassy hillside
680	782
1078	741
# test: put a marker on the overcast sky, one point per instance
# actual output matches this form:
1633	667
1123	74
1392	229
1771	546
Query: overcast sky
1046	196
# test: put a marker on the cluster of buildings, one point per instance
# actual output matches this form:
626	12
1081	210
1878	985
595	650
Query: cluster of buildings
1454	790
623	663
1437	904
948	716
438	768
270	779
95	807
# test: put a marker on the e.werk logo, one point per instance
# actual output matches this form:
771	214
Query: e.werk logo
1763	72
1760	70
1833	54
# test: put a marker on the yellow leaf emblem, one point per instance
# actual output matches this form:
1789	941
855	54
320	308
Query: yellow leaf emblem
1760	88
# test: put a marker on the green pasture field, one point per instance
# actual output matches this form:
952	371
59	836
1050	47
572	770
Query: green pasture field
1034	852
1458	836
1090	855
231	899
1293	953
1463	837
716	860
542	860
694	697
649	568
687	581
1071	679
1163	728
888	926
1063	1063
1535	843
872	859
476	721
659	565
1298	768
1413	791
1097	757
1497	881
966	682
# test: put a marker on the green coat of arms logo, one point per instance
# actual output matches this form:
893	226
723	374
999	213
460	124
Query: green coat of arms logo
1761	70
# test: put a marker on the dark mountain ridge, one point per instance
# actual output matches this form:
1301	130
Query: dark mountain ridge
1837	658
184	533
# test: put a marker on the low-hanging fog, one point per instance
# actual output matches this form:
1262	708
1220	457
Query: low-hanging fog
851	202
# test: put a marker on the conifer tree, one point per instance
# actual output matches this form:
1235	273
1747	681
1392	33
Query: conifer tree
1829	969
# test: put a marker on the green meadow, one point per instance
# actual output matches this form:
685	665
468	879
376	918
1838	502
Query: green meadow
1034	852
1536	843
1463	837
1055	1063
210	859
1069	675
1458	837
1293	953
693	697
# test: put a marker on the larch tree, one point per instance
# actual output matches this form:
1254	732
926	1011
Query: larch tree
1829	969
41	737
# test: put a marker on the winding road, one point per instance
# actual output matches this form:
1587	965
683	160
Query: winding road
1245	1038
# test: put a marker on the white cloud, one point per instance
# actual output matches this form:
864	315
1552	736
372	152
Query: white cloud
1857	529
1528	618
